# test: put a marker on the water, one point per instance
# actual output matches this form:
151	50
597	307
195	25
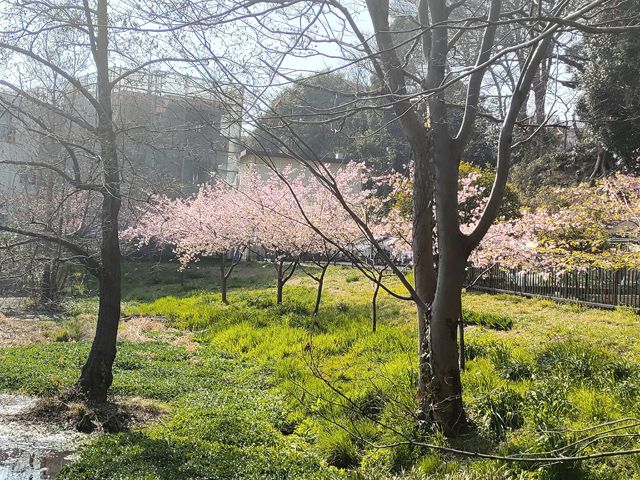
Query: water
30	451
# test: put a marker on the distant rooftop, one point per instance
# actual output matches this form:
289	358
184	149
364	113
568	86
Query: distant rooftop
338	158
166	83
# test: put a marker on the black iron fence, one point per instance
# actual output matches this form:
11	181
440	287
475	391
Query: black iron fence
594	286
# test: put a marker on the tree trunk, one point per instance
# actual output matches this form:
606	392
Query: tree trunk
446	387
223	279
601	167
374	306
539	87
46	290
461	360
316	308
97	375
280	282
423	269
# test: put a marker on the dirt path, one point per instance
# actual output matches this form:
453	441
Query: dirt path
27	450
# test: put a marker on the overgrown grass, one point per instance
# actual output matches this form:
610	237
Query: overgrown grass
226	420
291	394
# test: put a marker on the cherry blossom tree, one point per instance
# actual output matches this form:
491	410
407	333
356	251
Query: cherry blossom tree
287	214
393	212
334	230
211	222
59	210
574	231
274	216
294	215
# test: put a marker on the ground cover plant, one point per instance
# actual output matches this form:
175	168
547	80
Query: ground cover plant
254	389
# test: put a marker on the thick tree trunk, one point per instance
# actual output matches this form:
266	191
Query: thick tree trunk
96	376
423	268
223	279
539	88
601	167
446	387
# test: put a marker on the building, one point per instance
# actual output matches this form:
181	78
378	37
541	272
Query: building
176	128
172	133
264	163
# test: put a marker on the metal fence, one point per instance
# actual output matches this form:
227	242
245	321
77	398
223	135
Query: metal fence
595	286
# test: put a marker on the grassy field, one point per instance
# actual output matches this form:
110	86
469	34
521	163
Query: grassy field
257	390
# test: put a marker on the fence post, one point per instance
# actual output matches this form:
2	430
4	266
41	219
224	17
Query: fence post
586	285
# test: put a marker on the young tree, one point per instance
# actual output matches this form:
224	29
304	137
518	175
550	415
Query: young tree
438	142
438	146
23	38
210	222
334	230
415	68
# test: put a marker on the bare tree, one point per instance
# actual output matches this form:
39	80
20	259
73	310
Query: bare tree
60	61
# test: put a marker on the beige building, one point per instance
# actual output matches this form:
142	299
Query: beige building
264	163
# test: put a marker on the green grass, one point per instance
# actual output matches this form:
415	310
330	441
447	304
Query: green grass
225	422
271	393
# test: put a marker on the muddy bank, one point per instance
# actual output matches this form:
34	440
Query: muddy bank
29	450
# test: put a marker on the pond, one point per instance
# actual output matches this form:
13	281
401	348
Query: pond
30	451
